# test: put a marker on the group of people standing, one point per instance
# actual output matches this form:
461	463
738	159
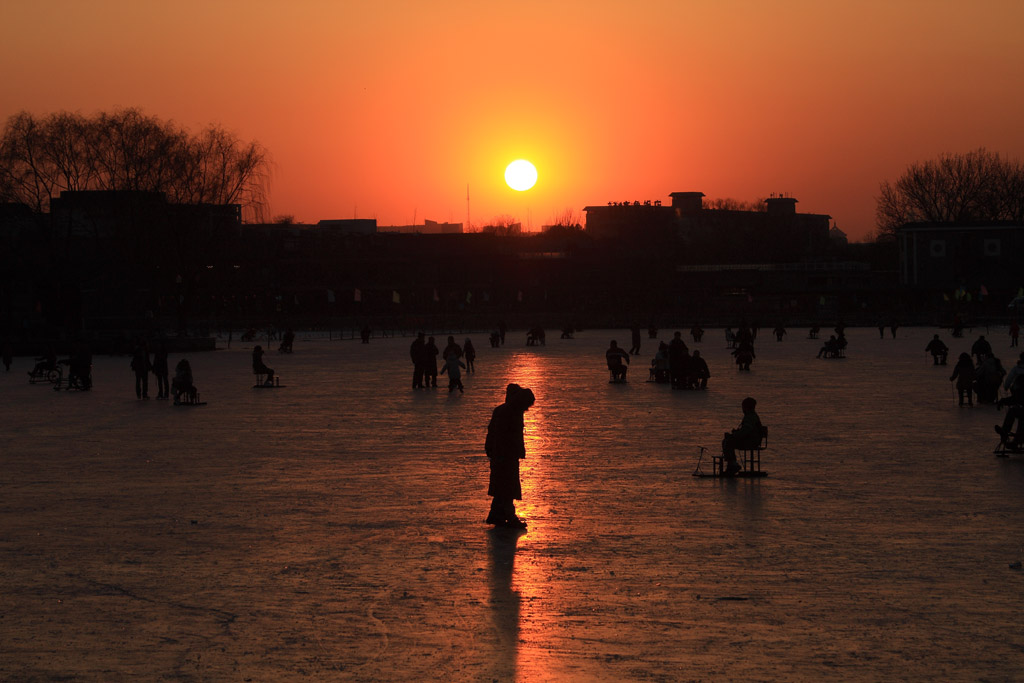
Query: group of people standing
674	364
141	365
424	353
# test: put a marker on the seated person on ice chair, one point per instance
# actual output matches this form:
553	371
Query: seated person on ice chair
747	435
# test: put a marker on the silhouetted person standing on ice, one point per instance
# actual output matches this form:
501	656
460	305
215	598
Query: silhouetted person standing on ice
697	332
430	353
470	354
416	353
505	447
141	367
963	373
161	371
451	348
678	354
8	356
635	332
502	329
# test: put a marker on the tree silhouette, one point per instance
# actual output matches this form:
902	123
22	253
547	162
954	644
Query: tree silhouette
126	150
978	186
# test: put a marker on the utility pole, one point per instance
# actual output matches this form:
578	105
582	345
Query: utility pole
467	208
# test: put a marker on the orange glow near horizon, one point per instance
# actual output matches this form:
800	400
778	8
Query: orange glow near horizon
389	110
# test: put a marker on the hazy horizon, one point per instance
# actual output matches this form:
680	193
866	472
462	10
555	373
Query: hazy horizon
390	111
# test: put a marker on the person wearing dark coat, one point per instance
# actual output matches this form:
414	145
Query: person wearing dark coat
963	373
416	354
678	355
430	353
161	371
699	372
981	348
938	349
505	447
747	435
141	367
614	357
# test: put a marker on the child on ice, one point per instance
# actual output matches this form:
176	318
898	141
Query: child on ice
453	367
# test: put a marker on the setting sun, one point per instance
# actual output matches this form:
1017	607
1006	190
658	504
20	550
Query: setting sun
521	175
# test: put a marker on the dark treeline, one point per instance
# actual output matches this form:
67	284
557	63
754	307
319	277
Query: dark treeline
976	187
126	150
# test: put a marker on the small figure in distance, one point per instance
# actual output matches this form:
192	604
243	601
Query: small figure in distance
893	327
161	371
140	366
829	349
779	333
259	368
634	331
813	332
958	327
8	356
287	339
505	447
364	334
430	363
416	353
938	349
567	332
453	366
79	367
502	329
470	353
963	373
1014	337
535	336
652	331
495	339
881	330
747	435
614	357
745	355
981	348
696	332
699	372
730	338
182	384
660	365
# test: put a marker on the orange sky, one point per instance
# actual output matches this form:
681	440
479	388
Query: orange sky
389	109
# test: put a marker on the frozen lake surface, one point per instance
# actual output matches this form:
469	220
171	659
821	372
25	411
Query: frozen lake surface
333	529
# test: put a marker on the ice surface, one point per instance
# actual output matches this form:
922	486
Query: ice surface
333	529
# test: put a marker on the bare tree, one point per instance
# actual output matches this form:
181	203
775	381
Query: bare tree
126	150
504	225
728	204
567	220
955	188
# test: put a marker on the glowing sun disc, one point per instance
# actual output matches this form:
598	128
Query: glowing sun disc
521	175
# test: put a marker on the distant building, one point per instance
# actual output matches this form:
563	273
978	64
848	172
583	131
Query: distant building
428	228
777	234
946	257
350	226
